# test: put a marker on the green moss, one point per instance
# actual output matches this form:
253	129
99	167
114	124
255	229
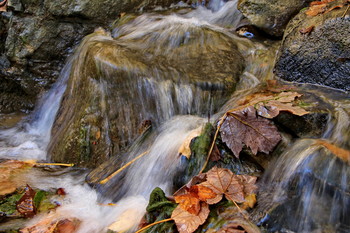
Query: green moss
159	208
8	205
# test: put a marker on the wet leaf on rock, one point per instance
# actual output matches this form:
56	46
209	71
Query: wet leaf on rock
223	182
25	206
185	149
191	200
187	222
337	151
246	128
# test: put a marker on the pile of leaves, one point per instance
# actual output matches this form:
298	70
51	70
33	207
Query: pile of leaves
195	198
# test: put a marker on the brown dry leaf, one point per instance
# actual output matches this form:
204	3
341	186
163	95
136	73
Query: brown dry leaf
25	206
185	149
223	181
316	9
307	30
191	200
53	224
270	106
3	5
187	222
245	127
337	151
67	226
215	154
320	2
195	180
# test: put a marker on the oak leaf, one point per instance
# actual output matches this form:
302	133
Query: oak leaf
187	222
246	128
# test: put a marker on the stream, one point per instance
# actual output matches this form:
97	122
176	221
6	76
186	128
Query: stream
176	71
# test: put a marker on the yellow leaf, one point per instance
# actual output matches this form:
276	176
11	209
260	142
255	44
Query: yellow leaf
185	149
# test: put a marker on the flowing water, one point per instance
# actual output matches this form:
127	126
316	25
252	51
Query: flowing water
149	76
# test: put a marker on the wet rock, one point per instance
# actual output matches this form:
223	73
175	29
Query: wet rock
320	56
35	51
271	16
102	9
128	80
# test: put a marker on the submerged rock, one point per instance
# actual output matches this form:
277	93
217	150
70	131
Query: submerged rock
154	68
320	56
271	16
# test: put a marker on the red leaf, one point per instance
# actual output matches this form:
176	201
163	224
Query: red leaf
25	205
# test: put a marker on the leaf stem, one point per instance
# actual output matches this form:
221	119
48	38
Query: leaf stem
123	167
152	224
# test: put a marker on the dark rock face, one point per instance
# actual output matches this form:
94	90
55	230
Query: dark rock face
37	36
271	16
319	57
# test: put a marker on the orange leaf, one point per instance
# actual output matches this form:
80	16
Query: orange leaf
189	203
316	9
337	151
203	192
187	222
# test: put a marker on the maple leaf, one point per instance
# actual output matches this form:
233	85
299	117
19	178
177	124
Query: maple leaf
191	200
25	206
187	222
245	127
223	182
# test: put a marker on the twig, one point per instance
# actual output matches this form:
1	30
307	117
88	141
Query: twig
152	224
346	11
123	167
213	143
239	208
55	164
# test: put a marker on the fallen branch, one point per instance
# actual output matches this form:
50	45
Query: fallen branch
123	167
152	224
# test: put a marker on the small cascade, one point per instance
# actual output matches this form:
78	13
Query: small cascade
29	139
307	188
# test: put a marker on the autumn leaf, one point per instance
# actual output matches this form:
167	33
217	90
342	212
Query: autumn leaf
191	200
185	149
3	5
337	151
53	224
307	30
250	201
316	9
320	2
223	182
187	222
246	128
215	154
25	206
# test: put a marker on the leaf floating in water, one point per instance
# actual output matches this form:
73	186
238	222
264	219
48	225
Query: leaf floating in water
245	127
25	206
187	222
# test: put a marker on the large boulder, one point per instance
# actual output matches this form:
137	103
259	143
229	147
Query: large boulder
149	71
36	36
271	16
316	49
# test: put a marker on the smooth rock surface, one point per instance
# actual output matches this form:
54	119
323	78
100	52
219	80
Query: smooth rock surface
271	16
